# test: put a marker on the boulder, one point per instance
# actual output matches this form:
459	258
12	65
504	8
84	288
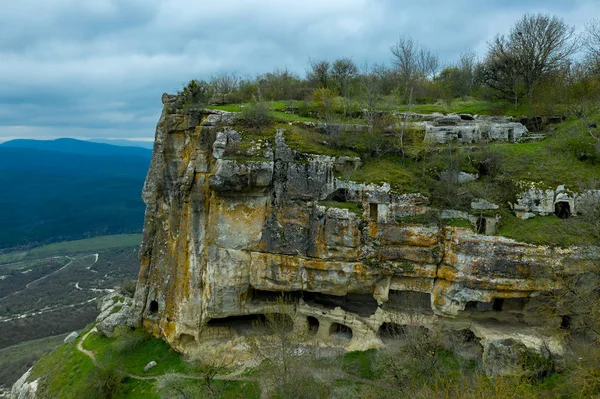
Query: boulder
71	337
115	310
481	204
150	365
509	357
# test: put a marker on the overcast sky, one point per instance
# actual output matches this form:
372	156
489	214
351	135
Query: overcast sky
97	68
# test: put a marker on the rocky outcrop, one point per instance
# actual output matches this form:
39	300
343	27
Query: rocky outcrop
223	237
115	310
23	389
561	201
465	128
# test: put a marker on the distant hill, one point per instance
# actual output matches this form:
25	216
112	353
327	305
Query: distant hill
74	146
67	189
127	143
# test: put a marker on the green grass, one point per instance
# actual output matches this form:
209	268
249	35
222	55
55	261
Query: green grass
61	248
311	142
137	389
456	222
131	352
64	373
26	349
96	341
547	230
403	175
360	364
460	106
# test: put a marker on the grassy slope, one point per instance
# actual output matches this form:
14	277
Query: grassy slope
67	373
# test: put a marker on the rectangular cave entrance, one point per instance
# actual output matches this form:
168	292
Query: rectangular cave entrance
373	211
481	225
340	332
361	304
255	295
241	325
562	209
408	300
498	305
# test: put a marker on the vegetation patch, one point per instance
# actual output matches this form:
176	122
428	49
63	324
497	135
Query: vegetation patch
355	207
548	230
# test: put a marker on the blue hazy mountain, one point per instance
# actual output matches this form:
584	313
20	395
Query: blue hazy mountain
79	147
67	189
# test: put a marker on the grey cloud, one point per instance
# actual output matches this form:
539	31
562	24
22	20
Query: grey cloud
73	67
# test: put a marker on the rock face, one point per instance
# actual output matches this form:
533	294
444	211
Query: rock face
23	389
466	128
115	310
561	201
224	237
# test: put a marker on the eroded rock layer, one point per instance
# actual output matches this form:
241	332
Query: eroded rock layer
224	236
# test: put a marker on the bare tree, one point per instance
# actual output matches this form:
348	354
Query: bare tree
537	45
343	72
224	84
413	61
405	60
427	62
318	73
591	42
370	84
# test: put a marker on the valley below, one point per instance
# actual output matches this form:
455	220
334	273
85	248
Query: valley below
50	291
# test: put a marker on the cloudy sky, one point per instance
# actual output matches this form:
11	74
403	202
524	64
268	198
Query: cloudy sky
97	68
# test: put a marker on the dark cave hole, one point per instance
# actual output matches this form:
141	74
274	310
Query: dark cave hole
565	323
313	324
153	306
562	209
498	304
408	300
340	331
481	225
373	211
339	195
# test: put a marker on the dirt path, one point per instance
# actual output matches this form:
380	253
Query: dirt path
86	352
91	355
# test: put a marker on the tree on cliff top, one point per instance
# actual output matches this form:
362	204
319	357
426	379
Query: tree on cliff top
537	46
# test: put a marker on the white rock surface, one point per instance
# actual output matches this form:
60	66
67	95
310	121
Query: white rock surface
150	365
71	337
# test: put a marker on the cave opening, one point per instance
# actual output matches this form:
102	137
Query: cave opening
313	324
408	300
243	325
481	225
498	304
373	213
153	307
565	322
340	331
339	195
274	296
362	304
511	135
562	209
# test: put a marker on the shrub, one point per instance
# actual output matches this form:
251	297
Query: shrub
256	115
103	383
195	94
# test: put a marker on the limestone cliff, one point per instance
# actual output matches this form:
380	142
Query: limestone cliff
224	235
